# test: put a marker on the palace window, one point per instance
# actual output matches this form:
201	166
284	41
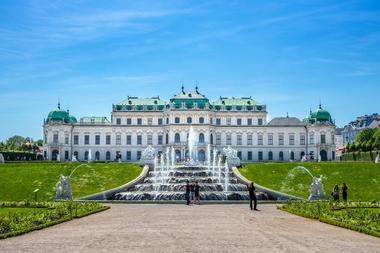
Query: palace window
66	155
239	155
159	121
55	138
238	122
291	139
176	120
150	121
138	155
218	122
249	122
249	155
270	139
118	121
323	139
302	139
239	140
201	120
139	139
201	138
281	156
97	139
129	121
150	139
270	155
260	139
332	138
108	155
128	155
139	121
228	121
108	139
228	139
260	155
76	140
177	138
129	140
189	120
86	139
281	139
66	138
249	139
260	122
312	138
118	139
218	139
159	140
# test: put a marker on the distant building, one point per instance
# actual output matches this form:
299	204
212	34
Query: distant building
352	129
339	142
238	122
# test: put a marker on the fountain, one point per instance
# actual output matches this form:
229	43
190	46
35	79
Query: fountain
191	145
2	158
316	187
231	157
147	156
89	155
226	177
172	158
220	169
377	159
63	188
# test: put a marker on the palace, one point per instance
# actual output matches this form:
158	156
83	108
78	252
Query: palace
239	122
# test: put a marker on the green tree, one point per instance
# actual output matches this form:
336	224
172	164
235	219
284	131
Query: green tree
376	139
15	142
365	135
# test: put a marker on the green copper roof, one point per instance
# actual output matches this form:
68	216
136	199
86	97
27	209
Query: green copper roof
224	101
60	116
319	115
142	101
94	120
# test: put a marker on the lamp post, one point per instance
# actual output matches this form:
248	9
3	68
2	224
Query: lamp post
35	194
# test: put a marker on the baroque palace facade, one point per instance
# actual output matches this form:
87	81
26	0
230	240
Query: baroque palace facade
239	122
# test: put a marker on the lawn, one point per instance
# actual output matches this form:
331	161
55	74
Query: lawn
362	178
19	180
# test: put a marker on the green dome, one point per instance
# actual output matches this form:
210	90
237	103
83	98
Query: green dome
60	116
319	115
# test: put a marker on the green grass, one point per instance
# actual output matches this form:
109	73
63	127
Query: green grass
6	211
18	180
362	178
358	216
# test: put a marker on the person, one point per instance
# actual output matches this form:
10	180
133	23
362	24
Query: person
196	192
192	193
344	192
335	193
252	196
187	193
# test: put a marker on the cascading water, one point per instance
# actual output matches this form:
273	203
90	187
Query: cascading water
191	144
220	169
226	177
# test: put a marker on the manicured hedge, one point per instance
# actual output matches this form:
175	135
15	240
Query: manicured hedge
360	156
20	156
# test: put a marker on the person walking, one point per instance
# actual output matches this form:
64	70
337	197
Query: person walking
192	193
187	194
335	193
344	192
196	192
252	196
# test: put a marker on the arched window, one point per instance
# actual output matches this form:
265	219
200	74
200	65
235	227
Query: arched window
54	155
281	156
177	138
201	155
189	120
292	156
167	138
108	155
201	120
97	156
176	120
201	138
302	154
211	139
76	155
178	155
270	155
86	156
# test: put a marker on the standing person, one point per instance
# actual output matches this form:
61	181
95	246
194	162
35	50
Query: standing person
187	194
344	192
196	192
252	196
192	193
335	193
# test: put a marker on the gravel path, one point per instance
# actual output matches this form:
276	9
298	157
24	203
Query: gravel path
179	228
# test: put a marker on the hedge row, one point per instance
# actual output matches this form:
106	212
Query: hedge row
20	156
360	156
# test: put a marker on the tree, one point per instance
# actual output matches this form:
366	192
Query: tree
376	139
365	135
15	142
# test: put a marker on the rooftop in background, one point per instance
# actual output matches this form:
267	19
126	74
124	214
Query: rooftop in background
286	121
364	121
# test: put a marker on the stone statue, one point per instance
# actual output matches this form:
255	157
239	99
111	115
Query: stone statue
377	159
74	158
2	158
304	159
58	158
316	189
147	156
231	156
63	188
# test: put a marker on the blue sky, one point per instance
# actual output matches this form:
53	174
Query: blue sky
90	54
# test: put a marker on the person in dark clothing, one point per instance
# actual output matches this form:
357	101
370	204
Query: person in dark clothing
196	191
335	193
344	192
192	193
187	194
252	196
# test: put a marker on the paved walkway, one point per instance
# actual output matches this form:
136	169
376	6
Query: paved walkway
179	228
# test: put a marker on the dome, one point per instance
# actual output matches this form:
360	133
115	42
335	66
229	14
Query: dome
319	115
60	116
